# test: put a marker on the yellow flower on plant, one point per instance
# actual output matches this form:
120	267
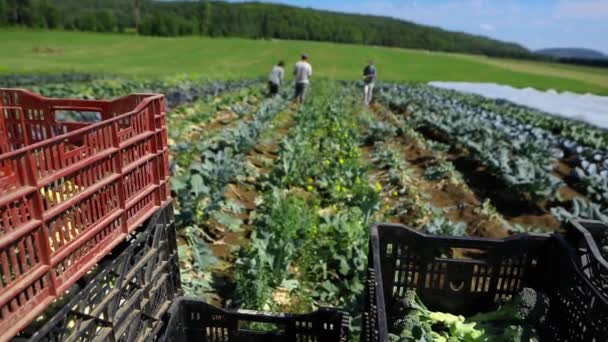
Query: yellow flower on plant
378	186
338	188
310	188
341	161
309	180
395	193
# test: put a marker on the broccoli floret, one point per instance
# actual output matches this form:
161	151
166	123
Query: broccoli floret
394	338
411	318
466	331
411	327
403	305
414	322
418	321
526	306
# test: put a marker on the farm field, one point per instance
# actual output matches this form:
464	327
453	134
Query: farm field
32	51
274	200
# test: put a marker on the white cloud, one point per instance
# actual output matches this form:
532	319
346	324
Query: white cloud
487	27
581	9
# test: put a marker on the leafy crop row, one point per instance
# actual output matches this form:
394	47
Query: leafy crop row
309	242
523	164
177	90
519	145
204	168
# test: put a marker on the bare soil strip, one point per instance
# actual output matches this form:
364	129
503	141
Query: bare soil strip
486	186
245	192
462	201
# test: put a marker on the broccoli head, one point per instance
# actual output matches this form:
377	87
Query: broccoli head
528	305
412	327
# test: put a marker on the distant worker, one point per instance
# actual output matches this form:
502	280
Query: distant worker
275	79
302	72
369	78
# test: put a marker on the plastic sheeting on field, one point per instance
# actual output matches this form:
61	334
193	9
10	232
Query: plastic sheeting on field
589	108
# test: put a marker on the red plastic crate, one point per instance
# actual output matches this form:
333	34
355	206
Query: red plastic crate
71	191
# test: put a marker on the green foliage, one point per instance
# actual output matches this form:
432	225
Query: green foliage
309	241
258	20
196	263
274	245
442	226
204	17
167	25
440	171
580	209
515	156
4	13
334	259
515	321
528	305
378	131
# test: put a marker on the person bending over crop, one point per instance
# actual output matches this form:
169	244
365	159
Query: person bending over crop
302	72
275	79
369	78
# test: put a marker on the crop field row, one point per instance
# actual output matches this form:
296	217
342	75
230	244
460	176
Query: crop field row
274	200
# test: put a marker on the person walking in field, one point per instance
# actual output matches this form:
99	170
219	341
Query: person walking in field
275	79
369	78
302	72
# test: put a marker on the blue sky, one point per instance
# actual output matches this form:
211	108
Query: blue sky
533	23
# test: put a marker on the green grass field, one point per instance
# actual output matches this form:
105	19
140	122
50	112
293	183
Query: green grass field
30	51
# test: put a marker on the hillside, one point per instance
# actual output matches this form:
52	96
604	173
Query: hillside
38	51
248	20
578	53
264	20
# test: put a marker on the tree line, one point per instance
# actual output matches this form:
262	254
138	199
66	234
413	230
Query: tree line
262	20
247	20
85	15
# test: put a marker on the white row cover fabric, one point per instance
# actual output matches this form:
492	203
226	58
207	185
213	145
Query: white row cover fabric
592	109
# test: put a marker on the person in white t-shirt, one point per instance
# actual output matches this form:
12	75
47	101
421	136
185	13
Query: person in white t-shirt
369	78
275	79
302	72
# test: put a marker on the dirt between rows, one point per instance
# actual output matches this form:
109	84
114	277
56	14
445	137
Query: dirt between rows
262	157
464	200
244	192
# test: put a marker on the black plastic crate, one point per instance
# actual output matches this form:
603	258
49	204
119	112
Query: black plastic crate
193	320
128	297
467	275
584	236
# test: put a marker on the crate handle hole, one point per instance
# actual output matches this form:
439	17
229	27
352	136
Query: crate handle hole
262	327
457	288
77	116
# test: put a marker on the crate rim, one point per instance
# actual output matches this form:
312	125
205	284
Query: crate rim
148	97
595	251
174	316
248	313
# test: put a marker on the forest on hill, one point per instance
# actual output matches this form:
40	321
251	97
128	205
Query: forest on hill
248	20
576	56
